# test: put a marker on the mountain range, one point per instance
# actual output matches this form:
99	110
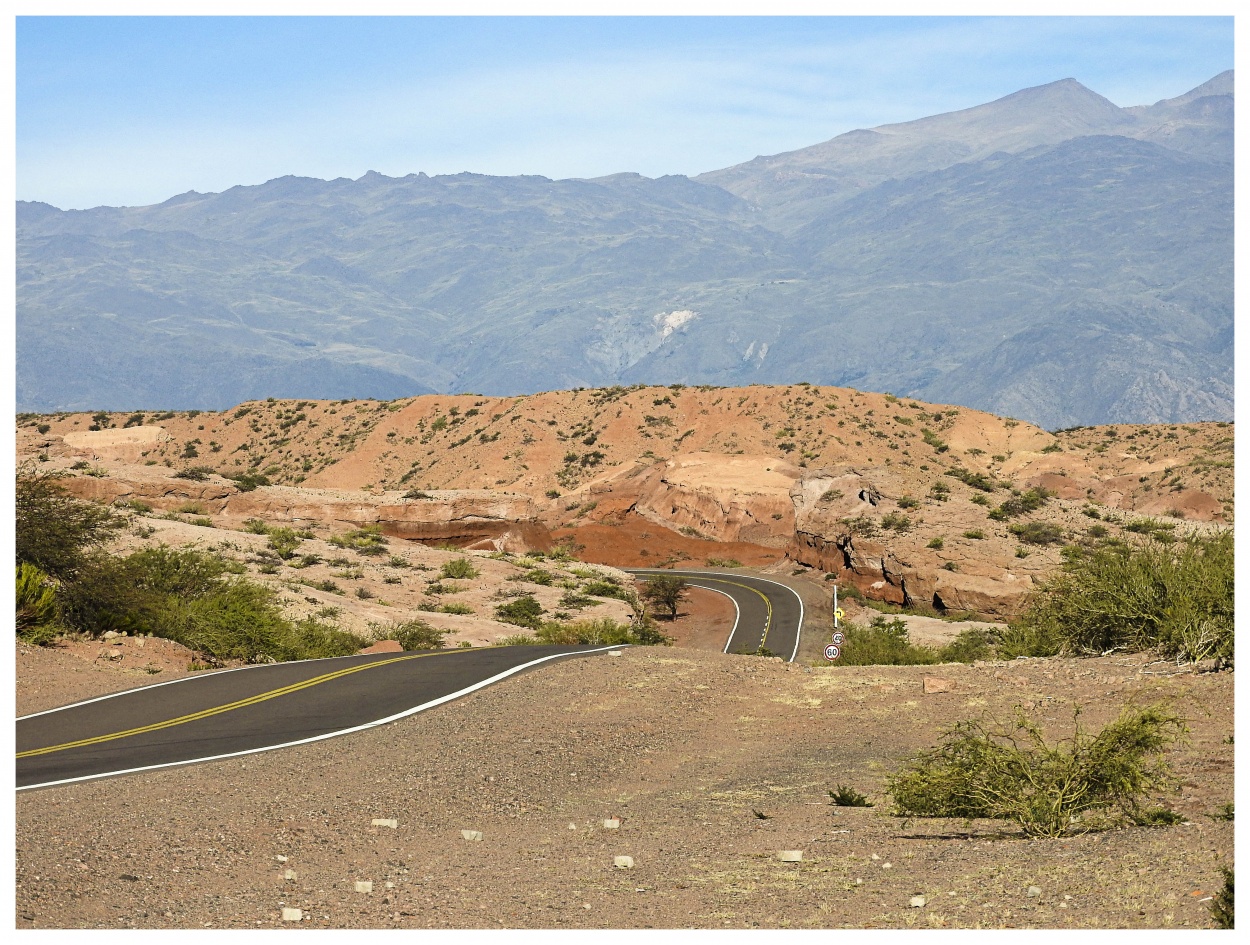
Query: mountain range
1048	256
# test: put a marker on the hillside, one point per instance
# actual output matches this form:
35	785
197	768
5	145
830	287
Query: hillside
891	495
1048	256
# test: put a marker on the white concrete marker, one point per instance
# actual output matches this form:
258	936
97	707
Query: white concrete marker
386	822
292	915
364	885
612	824
790	856
623	862
471	834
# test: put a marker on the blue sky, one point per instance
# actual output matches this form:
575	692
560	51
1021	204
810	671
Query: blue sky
129	111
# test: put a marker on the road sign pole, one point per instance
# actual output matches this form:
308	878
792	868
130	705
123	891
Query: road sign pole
835	607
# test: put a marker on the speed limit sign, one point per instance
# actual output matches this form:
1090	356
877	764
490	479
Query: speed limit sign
832	651
838	638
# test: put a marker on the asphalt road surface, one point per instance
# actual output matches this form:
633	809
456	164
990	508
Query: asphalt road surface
256	708
769	613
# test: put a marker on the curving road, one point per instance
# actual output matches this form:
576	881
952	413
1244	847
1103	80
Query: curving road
769	613
256	708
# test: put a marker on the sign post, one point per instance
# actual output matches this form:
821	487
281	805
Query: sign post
834	649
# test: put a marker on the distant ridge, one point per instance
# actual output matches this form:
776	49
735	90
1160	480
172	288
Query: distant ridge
1047	255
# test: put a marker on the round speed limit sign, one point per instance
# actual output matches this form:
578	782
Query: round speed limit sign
832	651
839	639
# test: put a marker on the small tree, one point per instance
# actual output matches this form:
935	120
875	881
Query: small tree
55	531
666	591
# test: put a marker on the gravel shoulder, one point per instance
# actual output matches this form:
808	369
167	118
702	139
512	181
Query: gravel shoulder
684	747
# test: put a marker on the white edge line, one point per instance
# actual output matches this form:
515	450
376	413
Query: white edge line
797	633
170	682
317	738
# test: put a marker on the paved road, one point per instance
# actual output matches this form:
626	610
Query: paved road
256	708
769	614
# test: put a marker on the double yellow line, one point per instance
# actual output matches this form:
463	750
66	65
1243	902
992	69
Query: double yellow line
768	619
217	710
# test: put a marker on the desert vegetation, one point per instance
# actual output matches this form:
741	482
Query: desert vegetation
1009	771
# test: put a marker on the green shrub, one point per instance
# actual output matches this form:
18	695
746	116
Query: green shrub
936	543
35	605
367	540
606	588
1176	598
413	635
723	563
248	481
976	480
194	473
1009	771
284	541
53	530
1222	904
975	534
882	643
1038	533
1029	501
522	611
896	521
848	797
461	568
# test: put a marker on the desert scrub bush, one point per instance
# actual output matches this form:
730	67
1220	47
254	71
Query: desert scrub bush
936	543
845	796
1176	598
888	643
54	531
897	522
411	634
1020	504
254	526
36	607
1038	533
939	492
908	502
602	631
1222	904
248	481
882	643
535	576
523	611
977	480
454	608
605	587
194	473
366	540
975	534
461	568
1008	771
723	563
283	542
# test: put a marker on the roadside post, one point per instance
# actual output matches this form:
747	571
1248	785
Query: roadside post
834	649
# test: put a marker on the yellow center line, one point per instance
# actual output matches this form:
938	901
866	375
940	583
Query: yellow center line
768	619
217	710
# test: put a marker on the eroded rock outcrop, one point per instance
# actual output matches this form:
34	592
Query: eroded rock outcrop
468	518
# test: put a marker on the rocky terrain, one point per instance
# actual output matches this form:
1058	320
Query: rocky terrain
911	503
712	765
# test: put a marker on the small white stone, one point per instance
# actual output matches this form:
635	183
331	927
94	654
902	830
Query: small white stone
289	875
390	885
790	856
612	823
875	857
280	858
886	866
1034	892
614	652
386	822
623	862
917	902
1063	905
471	834
572	826
364	885
292	915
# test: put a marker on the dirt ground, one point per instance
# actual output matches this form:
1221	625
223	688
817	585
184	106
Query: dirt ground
713	764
